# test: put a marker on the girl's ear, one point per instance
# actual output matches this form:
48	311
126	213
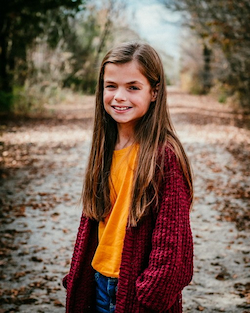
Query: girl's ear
155	92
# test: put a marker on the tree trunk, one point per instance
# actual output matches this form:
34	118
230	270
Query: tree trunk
207	68
5	81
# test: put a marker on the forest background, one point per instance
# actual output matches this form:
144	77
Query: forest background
51	49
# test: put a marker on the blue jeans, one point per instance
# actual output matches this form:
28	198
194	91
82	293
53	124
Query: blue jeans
106	288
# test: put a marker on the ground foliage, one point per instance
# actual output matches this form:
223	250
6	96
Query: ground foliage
42	165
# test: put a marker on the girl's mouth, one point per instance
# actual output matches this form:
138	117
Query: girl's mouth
121	108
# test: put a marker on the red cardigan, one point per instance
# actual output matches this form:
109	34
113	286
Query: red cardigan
157	258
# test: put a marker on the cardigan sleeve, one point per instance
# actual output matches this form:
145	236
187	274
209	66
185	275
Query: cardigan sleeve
170	266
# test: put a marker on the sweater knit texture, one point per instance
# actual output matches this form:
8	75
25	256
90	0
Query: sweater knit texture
157	257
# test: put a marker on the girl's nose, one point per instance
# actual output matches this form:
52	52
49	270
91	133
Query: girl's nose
120	95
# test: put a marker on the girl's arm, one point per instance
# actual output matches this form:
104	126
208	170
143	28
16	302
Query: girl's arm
170	266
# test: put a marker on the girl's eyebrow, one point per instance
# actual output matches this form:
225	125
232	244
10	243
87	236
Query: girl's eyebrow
128	83
109	82
136	82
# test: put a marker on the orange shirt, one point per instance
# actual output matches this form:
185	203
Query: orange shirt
107	258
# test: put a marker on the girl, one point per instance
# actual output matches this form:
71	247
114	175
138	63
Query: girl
134	249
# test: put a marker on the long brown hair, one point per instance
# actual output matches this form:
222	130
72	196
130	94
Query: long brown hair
154	130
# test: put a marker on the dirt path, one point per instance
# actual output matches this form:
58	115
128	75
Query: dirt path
42	165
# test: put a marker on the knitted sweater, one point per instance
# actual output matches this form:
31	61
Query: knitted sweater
157	258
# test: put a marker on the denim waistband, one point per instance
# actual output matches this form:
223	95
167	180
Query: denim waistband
106	289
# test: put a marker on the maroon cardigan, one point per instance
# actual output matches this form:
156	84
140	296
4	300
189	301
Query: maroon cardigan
157	258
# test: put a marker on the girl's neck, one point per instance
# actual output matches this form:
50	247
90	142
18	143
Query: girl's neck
125	138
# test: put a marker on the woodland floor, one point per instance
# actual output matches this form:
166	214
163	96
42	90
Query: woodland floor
41	170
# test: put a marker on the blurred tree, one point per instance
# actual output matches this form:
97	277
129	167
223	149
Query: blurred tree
21	21
223	26
92	33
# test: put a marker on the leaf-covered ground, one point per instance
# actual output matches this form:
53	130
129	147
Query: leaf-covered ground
42	165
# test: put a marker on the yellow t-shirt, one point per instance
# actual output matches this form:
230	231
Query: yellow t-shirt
107	258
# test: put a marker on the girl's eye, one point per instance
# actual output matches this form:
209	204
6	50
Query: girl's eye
110	86
134	88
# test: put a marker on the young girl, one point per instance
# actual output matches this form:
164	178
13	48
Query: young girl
133	252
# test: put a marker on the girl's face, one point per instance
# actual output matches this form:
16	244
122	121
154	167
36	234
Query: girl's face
127	93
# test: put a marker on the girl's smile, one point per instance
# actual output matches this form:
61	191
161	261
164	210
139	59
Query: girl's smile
127	93
121	108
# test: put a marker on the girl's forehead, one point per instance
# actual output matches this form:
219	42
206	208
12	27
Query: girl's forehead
131	64
123	71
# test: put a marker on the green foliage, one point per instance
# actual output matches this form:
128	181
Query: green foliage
6	101
222	98
22	101
34	99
